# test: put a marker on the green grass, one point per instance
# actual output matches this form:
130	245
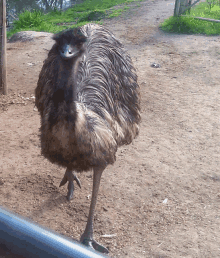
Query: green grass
189	25
80	14
118	12
203	10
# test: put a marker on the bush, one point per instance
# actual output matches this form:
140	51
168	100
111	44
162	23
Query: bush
29	19
92	16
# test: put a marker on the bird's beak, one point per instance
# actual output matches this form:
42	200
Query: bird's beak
68	51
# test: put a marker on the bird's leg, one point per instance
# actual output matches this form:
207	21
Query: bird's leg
70	177
87	236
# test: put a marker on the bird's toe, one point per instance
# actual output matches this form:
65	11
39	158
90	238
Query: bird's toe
70	190
99	247
64	180
77	181
94	245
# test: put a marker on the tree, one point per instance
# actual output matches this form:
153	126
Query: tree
45	5
19	5
51	4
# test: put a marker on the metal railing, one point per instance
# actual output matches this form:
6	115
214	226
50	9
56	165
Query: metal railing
30	240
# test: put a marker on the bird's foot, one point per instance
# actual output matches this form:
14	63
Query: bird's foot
70	177
93	244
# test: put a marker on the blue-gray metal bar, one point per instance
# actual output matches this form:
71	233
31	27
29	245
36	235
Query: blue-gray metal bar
26	238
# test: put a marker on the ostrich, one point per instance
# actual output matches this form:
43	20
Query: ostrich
88	98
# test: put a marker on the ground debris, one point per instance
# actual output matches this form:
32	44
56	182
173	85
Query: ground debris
13	99
109	236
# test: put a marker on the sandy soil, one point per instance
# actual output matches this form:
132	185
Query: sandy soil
161	198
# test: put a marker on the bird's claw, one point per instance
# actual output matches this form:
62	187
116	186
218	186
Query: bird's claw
77	180
70	177
94	245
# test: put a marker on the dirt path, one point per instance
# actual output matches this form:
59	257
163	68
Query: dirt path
162	197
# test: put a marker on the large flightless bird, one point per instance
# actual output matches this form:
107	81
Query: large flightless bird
88	98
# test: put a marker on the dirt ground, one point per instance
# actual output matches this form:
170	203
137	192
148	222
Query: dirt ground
161	198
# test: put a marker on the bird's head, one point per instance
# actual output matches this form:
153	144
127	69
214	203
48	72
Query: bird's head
70	43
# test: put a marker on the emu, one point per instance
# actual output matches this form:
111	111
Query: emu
88	99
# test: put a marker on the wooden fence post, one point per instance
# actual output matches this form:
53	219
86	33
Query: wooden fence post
182	5
3	39
176	8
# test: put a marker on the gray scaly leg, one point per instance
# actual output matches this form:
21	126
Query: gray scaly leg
87	236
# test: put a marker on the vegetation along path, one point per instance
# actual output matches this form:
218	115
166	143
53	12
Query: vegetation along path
161	198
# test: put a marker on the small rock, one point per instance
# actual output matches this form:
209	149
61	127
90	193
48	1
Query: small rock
165	201
154	65
30	64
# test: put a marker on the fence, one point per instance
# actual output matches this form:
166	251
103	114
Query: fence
3	82
182	5
25	238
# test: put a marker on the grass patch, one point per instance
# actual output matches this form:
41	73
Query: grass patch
189	25
206	11
78	15
117	12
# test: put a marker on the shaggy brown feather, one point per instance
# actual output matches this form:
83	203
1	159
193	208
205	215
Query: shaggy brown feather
89	105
